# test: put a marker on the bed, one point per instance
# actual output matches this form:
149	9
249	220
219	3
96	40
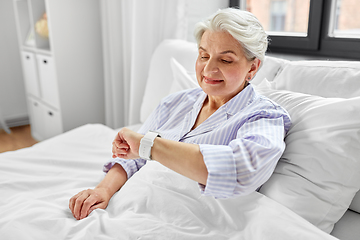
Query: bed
311	195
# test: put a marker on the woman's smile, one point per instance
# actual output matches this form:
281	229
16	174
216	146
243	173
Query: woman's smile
212	80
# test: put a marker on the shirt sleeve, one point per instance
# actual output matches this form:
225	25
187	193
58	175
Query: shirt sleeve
131	166
248	161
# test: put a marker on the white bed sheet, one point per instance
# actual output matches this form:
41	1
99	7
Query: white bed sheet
157	203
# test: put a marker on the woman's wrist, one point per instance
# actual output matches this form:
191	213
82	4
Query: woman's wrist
114	180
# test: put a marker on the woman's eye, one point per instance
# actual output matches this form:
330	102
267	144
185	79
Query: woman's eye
226	61
204	57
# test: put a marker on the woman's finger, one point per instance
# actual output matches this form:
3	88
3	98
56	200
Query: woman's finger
121	144
122	156
101	205
116	150
72	202
88	203
79	201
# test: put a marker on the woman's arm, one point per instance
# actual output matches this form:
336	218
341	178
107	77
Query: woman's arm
83	203
183	158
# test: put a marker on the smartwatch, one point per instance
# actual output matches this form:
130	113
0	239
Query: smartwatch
146	144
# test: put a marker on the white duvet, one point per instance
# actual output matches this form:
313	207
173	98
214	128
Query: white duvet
156	203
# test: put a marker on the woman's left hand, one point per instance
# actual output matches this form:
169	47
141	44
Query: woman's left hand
126	144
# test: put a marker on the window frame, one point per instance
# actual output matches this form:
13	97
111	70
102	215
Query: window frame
337	46
317	43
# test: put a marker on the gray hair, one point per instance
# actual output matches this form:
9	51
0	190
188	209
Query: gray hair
242	25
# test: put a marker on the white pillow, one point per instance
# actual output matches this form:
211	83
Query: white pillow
181	78
319	172
355	204
269	69
321	78
159	78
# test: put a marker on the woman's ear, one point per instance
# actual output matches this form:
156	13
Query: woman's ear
255	65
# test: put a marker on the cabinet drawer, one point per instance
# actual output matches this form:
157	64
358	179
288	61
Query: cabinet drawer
53	123
36	119
48	82
30	74
45	122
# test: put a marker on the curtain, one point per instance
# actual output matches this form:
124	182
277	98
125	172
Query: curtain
132	29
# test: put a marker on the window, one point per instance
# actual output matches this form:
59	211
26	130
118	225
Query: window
344	19
282	17
286	21
277	16
309	27
340	35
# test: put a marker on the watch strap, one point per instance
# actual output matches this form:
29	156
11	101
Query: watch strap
146	144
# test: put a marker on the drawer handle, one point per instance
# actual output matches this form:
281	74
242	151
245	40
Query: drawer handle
50	113
45	61
27	57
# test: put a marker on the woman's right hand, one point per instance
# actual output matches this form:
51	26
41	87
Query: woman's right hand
83	203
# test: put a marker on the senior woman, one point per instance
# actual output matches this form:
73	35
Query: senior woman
222	135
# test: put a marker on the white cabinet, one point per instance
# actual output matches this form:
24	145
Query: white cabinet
43	95
30	73
63	73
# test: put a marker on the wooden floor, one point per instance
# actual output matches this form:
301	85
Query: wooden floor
20	137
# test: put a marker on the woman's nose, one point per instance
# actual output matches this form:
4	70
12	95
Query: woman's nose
211	66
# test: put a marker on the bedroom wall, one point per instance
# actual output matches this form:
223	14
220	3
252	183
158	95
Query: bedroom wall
207	8
12	90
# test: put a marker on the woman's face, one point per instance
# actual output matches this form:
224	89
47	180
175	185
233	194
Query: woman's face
221	68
